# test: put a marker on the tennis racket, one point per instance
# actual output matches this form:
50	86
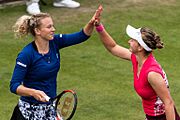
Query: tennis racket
65	104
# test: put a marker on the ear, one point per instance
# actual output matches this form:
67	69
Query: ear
140	48
37	31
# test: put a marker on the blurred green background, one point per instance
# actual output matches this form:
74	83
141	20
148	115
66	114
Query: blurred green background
104	83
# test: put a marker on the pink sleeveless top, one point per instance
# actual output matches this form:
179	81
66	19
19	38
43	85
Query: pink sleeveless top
152	104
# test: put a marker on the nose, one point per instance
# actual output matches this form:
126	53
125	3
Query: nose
130	40
53	28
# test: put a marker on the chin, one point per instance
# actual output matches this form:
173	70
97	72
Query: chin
51	38
130	50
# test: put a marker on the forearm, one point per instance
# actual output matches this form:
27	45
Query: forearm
88	29
37	94
24	91
169	110
107	40
111	45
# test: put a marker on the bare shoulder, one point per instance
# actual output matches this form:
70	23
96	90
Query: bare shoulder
155	78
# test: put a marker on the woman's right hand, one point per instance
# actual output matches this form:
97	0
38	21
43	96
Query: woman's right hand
39	95
95	20
98	15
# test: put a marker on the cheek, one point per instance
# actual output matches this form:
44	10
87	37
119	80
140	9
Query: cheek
47	35
135	44
132	44
134	47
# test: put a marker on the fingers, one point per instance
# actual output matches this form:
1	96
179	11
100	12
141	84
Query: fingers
40	96
97	22
98	11
47	98
98	15
100	7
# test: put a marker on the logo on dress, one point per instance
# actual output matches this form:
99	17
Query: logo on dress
57	55
21	64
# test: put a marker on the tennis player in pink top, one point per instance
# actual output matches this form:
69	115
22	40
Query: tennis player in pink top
150	81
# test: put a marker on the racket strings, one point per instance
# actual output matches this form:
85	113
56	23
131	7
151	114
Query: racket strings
65	105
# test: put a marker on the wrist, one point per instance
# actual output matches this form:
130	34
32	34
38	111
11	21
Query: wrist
91	23
100	28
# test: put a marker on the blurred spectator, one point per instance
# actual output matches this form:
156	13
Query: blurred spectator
34	8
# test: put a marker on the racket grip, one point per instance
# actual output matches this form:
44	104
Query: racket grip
59	117
47	98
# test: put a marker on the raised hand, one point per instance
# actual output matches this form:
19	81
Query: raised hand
94	21
96	17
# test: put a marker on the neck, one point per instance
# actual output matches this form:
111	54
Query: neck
141	58
42	46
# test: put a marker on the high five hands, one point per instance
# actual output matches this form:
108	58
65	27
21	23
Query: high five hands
96	18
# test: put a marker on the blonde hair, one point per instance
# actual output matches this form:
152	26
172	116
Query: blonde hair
25	25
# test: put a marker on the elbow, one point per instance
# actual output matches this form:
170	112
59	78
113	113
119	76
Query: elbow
110	50
169	104
13	87
110	47
12	90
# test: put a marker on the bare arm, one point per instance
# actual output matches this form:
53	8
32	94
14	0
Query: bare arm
113	47
108	41
88	29
37	94
158	84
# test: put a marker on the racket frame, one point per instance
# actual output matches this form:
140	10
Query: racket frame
58	97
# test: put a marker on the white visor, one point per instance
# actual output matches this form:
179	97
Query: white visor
136	34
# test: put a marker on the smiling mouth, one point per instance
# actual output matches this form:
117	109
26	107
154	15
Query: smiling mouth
51	36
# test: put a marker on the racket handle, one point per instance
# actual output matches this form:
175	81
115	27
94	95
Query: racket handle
47	98
59	117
